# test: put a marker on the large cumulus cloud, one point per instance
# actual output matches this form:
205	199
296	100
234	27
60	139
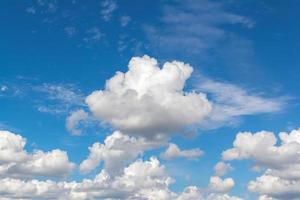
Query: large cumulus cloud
149	100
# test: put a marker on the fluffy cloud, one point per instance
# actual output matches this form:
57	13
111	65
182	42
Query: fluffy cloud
140	180
16	162
222	168
149	100
117	151
281	162
173	151
216	184
74	119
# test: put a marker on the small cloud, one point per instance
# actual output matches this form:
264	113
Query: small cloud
174	152
74	120
31	10
93	35
70	31
3	88
124	20
108	7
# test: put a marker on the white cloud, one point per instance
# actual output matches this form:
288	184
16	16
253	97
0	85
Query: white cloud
216	184
74	119
93	35
140	180
195	26
57	98
275	187
3	88
149	100
281	162
108	7
117	151
16	162
222	168
230	102
173	152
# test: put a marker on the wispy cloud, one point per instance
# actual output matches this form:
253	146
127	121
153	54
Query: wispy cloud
124	20
230	102
107	9
194	26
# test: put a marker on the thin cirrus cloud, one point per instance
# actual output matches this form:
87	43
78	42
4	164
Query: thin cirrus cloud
231	102
195	26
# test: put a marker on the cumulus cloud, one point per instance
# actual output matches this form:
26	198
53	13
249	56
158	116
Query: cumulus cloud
74	119
280	162
15	161
173	151
216	184
140	180
117	151
222	168
149	100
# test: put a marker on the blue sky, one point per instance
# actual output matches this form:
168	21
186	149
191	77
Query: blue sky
56	55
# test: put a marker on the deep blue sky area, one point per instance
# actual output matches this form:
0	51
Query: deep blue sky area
53	54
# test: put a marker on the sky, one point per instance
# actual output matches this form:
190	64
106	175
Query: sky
158	100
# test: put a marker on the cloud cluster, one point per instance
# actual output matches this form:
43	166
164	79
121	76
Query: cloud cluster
117	151
15	161
149	100
173	152
136	178
280	162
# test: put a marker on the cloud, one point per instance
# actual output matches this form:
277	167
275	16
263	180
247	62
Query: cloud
124	20
3	88
107	9
74	119
280	161
230	102
174	152
149	100
57	98
31	10
70	31
195	26
93	35
117	151
140	180
216	184
222	168
16	162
